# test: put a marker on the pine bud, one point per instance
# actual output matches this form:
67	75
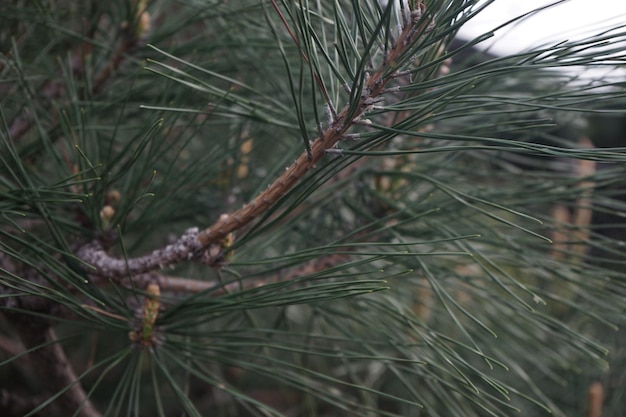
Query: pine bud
106	215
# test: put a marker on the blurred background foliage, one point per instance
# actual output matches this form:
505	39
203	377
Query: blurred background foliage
461	255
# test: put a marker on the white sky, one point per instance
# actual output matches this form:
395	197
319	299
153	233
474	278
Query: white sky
566	21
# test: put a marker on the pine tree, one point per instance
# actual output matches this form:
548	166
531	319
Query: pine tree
315	208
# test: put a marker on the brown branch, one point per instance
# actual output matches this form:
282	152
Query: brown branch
186	249
372	89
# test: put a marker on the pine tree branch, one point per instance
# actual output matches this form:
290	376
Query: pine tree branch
194	245
101	264
372	90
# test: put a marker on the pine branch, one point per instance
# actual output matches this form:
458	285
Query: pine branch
443	224
100	264
193	245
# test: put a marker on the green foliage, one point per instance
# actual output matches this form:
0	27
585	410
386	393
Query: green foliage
438	260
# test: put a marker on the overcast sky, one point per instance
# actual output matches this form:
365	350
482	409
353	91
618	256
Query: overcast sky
567	21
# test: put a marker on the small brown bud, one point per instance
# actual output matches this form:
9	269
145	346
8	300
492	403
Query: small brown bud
144	24
246	147
106	215
242	171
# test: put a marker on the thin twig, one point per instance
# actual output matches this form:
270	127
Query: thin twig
173	284
52	365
